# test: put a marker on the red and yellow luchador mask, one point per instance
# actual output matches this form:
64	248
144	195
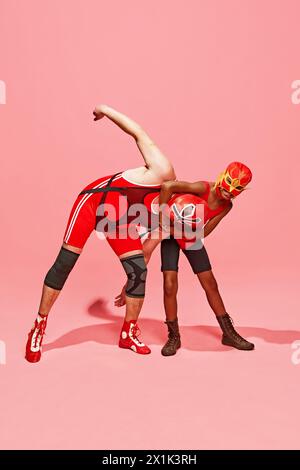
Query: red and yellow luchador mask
234	179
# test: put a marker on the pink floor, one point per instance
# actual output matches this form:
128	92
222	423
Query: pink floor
86	393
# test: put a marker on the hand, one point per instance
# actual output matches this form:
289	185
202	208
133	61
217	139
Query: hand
98	112
120	299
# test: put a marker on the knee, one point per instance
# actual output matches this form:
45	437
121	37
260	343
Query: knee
136	271
170	286
167	172
59	272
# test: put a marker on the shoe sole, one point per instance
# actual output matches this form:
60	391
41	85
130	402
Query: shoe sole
251	348
173	354
32	361
136	352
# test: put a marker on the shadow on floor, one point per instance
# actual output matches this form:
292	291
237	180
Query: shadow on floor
194	338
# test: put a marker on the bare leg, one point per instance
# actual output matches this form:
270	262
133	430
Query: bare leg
48	298
170	294
170	302
133	308
230	336
63	266
134	265
210	286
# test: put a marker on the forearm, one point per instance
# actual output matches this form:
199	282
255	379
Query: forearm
170	187
208	229
165	194
212	223
124	122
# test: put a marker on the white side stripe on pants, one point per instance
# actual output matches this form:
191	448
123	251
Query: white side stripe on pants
80	204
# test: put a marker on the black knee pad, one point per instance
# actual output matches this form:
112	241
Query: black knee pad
136	270
58	274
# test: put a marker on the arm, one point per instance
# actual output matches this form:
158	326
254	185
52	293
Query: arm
156	162
124	122
212	223
170	187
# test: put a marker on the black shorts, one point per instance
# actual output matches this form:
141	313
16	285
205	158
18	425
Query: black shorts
170	249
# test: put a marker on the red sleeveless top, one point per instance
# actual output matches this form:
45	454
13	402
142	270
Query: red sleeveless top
208	212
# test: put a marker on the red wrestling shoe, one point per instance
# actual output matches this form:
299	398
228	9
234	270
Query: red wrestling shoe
129	338
35	338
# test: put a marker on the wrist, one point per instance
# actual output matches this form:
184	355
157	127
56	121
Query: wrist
102	108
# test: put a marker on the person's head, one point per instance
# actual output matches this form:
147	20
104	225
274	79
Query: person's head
233	180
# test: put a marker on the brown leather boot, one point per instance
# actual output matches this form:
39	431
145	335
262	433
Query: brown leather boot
230	336
173	343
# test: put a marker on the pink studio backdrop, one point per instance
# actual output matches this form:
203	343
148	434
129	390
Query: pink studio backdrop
211	82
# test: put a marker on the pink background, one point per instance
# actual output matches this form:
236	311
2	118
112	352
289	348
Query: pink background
211	82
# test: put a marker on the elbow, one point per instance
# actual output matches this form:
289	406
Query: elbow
167	186
168	176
